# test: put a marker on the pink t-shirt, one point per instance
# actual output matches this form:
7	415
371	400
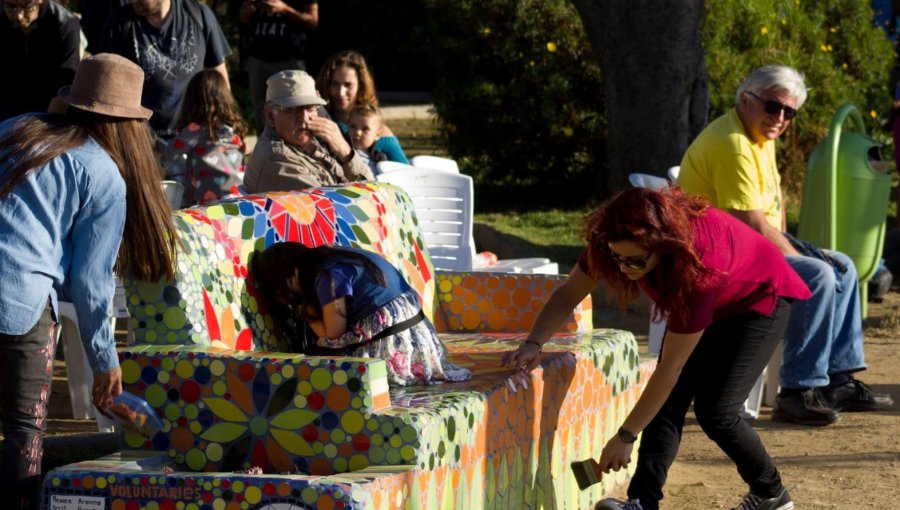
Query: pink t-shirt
755	272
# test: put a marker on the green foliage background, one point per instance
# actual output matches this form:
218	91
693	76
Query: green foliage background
520	94
833	43
518	89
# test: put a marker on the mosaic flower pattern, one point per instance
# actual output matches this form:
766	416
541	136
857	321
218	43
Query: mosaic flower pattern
498	441
211	300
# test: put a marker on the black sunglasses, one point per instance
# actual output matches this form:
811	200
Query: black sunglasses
637	263
773	107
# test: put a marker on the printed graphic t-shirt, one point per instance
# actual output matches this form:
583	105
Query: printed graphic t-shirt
189	40
274	38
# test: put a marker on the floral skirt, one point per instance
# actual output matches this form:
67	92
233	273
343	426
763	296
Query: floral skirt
413	356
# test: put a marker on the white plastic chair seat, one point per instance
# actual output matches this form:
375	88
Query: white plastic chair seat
435	163
639	180
535	265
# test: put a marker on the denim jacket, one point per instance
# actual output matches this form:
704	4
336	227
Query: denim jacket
60	230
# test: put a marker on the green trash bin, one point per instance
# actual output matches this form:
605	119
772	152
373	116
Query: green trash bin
844	199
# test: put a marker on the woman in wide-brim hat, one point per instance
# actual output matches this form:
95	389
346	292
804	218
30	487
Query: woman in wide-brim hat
65	226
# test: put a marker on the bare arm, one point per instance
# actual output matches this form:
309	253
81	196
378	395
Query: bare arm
677	348
308	17
334	318
757	221
554	312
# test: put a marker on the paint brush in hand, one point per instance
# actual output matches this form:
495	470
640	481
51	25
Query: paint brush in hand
587	473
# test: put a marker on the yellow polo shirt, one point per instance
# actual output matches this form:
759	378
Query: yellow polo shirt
732	171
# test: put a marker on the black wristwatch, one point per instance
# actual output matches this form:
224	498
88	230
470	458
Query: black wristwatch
626	436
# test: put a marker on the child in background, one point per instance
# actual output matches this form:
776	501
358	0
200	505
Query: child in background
366	127
207	153
357	304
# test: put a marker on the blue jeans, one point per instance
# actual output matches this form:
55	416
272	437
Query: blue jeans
26	362
824	335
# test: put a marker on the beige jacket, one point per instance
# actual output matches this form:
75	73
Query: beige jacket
276	165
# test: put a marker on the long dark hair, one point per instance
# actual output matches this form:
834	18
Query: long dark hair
148	244
272	267
661	223
209	101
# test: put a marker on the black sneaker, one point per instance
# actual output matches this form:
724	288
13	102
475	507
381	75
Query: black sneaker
807	407
618	504
855	396
754	502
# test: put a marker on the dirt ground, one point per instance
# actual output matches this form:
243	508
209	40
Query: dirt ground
853	464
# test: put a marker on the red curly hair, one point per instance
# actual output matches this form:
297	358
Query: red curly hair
660	222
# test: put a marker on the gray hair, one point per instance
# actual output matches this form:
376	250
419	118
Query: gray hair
780	77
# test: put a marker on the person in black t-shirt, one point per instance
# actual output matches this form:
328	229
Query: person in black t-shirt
278	31
171	40
40	41
93	19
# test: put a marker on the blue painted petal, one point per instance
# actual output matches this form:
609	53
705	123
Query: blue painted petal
344	228
259	227
261	390
247	208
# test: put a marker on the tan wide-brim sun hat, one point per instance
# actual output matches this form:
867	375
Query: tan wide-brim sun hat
107	84
292	88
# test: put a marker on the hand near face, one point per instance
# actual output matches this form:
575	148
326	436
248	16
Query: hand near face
329	132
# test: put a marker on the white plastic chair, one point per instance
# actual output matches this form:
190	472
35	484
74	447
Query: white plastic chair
673	172
444	207
435	163
639	180
78	371
386	167
174	192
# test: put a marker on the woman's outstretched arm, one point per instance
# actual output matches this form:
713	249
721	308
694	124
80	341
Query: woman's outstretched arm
677	348
554	312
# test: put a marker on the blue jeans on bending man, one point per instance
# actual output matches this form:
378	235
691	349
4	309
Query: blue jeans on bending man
823	347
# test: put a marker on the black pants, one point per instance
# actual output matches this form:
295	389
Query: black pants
26	365
718	376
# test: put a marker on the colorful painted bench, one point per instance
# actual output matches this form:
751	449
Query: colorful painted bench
328	432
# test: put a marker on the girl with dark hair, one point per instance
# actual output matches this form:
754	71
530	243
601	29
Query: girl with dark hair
725	292
64	180
346	83
207	153
356	304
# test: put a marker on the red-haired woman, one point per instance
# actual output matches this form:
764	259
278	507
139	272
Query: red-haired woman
725	291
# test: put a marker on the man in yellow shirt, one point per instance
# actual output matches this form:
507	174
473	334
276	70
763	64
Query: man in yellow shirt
733	163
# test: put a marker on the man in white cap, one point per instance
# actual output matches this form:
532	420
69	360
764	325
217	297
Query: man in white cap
299	149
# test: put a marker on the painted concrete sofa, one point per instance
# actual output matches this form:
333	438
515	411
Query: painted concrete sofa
328	432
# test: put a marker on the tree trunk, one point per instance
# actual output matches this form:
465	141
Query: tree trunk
657	96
